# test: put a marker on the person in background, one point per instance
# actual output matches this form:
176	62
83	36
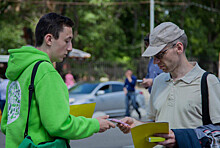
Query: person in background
50	111
69	79
152	71
129	90
176	94
3	89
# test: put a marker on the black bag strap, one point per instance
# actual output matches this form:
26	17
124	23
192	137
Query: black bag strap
31	90
205	100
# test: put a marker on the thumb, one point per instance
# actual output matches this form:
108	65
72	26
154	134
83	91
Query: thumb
105	117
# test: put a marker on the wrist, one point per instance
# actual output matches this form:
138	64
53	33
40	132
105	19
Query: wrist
136	122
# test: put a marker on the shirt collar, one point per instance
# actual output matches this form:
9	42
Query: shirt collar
168	77
192	74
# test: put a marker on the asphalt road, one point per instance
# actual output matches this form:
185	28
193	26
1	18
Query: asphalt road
112	138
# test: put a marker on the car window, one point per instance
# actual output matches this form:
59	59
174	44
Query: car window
106	88
84	88
117	87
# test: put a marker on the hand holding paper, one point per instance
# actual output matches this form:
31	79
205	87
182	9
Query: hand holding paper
142	133
170	139
131	123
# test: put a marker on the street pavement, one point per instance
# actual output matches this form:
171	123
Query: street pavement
112	138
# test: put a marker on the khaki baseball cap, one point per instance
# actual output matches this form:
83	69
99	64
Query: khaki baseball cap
162	35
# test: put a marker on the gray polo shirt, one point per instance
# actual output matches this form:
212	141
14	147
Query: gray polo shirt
179	102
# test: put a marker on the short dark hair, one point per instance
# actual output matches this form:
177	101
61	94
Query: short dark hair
51	23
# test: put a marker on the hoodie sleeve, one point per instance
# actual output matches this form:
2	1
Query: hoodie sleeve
53	101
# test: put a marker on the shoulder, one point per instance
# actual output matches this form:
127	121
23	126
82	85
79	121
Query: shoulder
212	79
162	77
44	69
161	80
133	77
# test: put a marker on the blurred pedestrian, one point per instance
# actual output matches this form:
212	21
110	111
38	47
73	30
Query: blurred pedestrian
129	90
176	94
49	111
69	79
3	89
152	71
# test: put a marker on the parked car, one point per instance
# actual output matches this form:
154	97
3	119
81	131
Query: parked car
109	96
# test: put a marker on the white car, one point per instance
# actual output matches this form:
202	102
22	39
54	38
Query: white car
109	96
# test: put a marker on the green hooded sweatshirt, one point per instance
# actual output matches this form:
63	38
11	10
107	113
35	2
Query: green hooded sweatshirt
49	112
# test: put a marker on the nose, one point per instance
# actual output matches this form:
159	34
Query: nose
70	47
156	60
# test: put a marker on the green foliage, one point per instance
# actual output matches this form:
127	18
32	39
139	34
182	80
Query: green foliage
114	32
10	36
103	37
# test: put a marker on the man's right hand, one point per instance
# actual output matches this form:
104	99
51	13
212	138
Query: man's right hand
130	121
105	124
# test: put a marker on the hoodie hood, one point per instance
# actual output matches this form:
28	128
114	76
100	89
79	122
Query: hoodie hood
21	58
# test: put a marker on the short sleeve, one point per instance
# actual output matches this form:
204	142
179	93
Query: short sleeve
214	98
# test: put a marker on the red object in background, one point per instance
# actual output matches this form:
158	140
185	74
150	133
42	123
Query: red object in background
141	92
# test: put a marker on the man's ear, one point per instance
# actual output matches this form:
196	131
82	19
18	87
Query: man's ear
180	48
48	39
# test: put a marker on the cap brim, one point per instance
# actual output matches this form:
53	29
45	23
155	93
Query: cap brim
151	51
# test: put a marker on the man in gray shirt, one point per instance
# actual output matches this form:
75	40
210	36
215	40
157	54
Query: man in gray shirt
176	94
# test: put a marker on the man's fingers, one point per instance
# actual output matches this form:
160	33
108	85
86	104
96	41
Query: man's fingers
127	120
104	117
111	124
125	129
166	136
170	139
167	143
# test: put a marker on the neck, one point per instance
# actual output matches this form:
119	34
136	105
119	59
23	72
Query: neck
44	49
182	69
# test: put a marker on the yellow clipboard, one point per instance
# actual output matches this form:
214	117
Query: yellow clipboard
140	134
85	110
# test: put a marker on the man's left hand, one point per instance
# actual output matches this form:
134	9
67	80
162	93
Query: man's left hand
170	139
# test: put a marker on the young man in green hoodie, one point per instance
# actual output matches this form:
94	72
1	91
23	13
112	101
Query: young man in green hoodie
49	113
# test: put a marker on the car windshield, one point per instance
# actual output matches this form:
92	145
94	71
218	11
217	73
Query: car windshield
84	88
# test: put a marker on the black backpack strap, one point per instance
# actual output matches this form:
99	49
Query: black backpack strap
205	100
31	90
